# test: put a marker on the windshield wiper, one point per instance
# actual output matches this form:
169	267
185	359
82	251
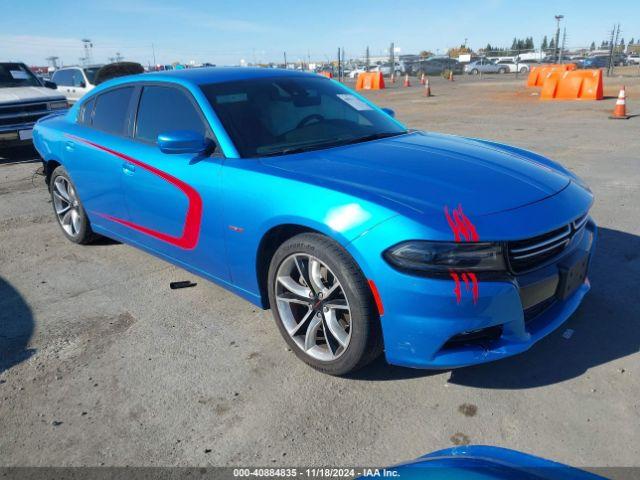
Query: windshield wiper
302	148
374	136
333	143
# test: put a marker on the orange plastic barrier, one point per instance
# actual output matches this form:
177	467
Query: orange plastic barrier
370	81
326	74
538	74
573	85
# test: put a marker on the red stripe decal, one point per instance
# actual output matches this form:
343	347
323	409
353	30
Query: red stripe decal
191	230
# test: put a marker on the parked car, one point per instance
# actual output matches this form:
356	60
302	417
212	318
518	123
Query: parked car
633	59
356	71
482	462
436	66
385	69
485	66
23	100
301	196
117	69
602	61
512	66
74	82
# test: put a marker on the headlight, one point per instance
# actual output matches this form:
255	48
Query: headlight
442	257
58	105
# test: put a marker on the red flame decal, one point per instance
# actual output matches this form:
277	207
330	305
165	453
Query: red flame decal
463	231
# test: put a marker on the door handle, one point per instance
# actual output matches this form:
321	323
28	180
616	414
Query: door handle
128	168
69	146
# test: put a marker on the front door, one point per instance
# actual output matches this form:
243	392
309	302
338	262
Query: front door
174	200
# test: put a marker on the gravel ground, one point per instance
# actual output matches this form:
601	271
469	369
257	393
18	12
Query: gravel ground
102	364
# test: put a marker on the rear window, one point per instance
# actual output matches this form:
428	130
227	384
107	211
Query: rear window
91	74
84	117
111	110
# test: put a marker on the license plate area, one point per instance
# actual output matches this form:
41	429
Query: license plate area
25	134
573	274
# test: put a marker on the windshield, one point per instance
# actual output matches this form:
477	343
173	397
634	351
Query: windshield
274	116
91	74
17	75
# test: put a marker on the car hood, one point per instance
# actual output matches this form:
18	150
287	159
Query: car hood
25	94
426	171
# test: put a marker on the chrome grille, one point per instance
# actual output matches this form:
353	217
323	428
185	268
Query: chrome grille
23	113
536	251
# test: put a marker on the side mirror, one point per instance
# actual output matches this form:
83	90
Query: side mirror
183	141
83	84
50	84
389	112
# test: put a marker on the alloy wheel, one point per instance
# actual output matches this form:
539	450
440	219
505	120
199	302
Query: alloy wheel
67	206
313	306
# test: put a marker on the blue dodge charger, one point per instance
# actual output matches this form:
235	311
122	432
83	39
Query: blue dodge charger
299	195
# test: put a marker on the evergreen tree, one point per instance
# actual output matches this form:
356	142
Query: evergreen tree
593	46
545	43
552	44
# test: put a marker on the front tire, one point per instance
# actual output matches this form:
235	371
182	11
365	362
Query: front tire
68	209
322	305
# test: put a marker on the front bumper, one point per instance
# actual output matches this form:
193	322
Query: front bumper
425	327
10	135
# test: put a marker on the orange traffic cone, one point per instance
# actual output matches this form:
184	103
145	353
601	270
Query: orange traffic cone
427	88
407	83
451	75
422	80
620	112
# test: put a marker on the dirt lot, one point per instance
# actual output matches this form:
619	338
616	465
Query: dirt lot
102	364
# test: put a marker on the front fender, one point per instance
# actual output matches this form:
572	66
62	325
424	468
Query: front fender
256	201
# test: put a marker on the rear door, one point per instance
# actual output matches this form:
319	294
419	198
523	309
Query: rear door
90	155
174	200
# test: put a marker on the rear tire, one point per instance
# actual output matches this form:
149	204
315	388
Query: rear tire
333	328
502	71
475	71
70	213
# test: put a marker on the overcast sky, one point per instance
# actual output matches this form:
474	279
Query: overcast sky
225	33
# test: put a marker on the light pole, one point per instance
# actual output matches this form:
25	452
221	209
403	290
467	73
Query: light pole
88	47
558	18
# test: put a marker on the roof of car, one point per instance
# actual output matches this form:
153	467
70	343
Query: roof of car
201	76
221	74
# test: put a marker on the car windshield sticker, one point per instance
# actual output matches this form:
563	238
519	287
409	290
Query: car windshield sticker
231	98
19	75
354	102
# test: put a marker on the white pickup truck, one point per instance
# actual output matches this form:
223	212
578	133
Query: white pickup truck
23	100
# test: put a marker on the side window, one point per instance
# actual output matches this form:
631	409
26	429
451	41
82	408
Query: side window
163	109
84	117
62	77
111	110
76	77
